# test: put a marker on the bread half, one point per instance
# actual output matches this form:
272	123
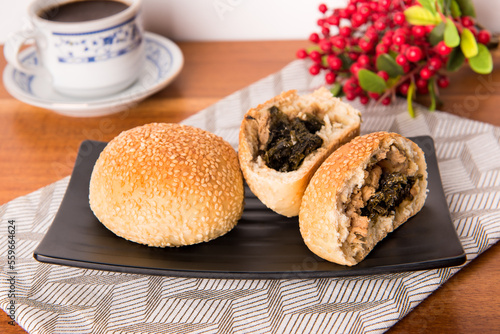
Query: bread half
363	191
280	190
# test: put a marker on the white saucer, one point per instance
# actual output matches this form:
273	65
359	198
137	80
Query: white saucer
164	61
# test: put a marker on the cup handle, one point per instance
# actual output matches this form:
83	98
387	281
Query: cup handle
13	47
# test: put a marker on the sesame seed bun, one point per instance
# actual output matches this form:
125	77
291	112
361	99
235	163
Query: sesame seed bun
331	220
167	185
282	191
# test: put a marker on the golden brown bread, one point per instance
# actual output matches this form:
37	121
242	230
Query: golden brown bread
338	217
167	185
283	191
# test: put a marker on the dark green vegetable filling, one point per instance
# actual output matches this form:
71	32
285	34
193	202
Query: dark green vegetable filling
393	189
290	140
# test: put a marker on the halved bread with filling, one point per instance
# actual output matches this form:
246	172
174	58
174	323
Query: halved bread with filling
363	191
284	140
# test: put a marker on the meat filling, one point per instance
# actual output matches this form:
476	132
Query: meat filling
388	182
290	140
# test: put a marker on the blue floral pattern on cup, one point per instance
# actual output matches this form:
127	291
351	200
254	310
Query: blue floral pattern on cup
98	45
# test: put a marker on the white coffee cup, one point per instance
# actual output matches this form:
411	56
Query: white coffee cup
83	59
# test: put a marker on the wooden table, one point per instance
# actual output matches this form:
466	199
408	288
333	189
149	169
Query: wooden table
38	147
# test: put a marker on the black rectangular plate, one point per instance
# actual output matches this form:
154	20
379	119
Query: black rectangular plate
264	245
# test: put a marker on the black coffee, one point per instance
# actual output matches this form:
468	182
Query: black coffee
83	10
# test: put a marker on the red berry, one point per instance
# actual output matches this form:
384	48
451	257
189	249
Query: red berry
325	45
364	60
402	31
383	74
364	99
350	96
301	53
467	21
373	95
381	48
330	77
443	49
426	73
325	31
429	28
435	63
398	39
386	101
365	45
339	42
443	82
365	10
355	68
357	20
386	40
484	37
403	88
384	4
401	59
351	85
322	8
389	33
421	84
353	55
314	69
315	56
351	8
345	31
343	14
334	62
414	54
334	20
399	18
380	24
314	37
418	31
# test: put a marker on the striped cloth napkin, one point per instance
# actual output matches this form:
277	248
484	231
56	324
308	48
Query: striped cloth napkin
58	299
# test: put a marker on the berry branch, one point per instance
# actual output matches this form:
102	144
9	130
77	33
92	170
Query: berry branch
375	50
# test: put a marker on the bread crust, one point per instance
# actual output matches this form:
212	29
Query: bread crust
167	185
282	191
324	219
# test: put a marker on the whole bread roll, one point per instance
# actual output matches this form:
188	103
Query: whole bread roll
167	185
363	191
278	187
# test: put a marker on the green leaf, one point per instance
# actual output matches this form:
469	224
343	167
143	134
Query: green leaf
409	99
324	61
336	89
466	7
444	6
455	9
439	5
432	92
346	61
430	5
370	81
313	48
393	81
437	34
482	63
451	37
388	64
455	60
421	16
468	43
